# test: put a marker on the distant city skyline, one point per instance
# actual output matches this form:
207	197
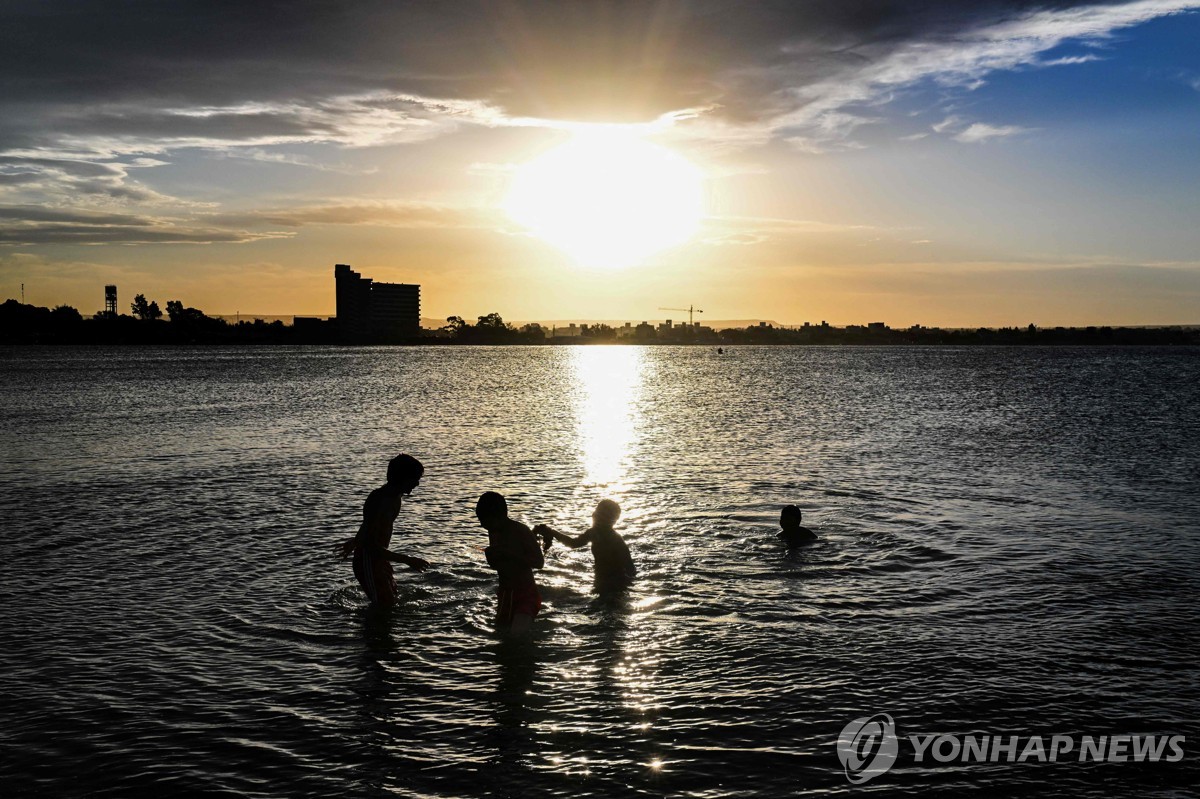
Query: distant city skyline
938	163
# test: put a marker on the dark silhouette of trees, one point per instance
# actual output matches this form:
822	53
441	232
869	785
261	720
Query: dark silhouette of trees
534	333
65	316
490	329
177	313
146	311
454	325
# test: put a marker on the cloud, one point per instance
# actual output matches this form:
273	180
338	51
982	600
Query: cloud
968	132
359	120
1070	60
745	230
980	131
386	214
948	123
291	159
36	177
35	225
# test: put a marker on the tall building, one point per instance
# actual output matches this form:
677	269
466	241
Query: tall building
371	311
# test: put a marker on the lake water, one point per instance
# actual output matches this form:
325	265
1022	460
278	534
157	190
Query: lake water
1009	544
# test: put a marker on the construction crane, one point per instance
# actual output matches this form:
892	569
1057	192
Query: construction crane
691	309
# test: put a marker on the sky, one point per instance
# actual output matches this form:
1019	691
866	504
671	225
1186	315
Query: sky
934	162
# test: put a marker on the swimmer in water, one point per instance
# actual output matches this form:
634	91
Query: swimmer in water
614	565
372	558
792	533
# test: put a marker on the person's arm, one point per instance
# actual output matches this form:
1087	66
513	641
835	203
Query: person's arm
347	547
555	535
534	558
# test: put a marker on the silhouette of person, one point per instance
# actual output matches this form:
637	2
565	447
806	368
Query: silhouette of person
614	565
372	559
792	533
514	553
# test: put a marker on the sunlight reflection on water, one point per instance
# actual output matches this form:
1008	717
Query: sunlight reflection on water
609	380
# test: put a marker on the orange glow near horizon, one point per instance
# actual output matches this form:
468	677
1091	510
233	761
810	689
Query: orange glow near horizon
608	198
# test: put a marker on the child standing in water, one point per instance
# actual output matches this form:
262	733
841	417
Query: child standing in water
614	565
514	553
372	558
792	533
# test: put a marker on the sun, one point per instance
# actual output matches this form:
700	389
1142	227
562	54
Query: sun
608	198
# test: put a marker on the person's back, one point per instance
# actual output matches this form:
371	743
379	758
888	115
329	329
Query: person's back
514	553
614	564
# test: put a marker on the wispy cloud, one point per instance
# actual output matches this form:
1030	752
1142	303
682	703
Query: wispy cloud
34	225
748	230
71	178
980	131
969	132
291	159
352	212
361	120
1070	60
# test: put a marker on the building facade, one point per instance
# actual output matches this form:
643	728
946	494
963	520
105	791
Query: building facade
372	311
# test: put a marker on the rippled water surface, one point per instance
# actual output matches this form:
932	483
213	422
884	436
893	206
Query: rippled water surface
1009	543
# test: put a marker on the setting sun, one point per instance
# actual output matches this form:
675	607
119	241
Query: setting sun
608	198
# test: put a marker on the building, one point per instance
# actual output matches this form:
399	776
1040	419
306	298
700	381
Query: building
371	311
110	300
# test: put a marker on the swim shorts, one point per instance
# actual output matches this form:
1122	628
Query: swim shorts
375	576
524	600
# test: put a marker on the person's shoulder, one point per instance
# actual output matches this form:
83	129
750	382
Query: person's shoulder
515	526
376	496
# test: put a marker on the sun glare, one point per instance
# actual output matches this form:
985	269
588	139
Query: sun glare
608	198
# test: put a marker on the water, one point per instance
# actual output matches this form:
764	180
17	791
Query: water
1008	544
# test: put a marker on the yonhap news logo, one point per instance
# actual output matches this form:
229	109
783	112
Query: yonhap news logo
869	746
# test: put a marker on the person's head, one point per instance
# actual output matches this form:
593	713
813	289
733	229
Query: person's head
789	517
606	514
404	472
491	509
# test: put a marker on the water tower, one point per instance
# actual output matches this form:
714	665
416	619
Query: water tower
110	300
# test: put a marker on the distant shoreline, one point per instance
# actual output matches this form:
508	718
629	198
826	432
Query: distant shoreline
1192	340
28	324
